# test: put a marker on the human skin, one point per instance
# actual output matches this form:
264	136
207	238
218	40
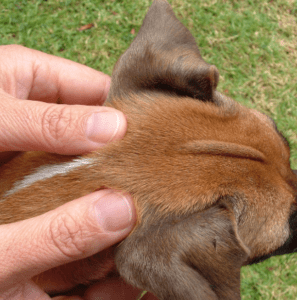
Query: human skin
77	125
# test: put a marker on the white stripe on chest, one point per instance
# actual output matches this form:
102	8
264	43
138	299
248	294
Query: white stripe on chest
46	172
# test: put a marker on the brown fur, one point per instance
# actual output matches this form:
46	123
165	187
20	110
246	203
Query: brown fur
210	179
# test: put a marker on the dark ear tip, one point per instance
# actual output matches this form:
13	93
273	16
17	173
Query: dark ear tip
160	2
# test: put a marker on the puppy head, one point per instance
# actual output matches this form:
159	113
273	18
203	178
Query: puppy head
211	179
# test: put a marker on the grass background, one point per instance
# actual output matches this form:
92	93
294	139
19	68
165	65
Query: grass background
253	44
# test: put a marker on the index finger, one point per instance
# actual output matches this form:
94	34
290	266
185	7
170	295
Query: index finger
34	75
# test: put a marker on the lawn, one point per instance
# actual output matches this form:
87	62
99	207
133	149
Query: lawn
252	43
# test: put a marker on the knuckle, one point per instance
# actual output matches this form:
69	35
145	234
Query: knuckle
56	122
68	236
15	47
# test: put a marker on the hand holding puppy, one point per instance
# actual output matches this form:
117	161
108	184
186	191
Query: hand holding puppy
211	182
84	226
80	127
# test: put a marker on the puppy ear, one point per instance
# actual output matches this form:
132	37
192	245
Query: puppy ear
164	57
187	257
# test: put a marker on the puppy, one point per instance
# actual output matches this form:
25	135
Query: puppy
210	179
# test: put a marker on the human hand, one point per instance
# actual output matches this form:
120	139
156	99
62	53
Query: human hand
74	231
79	228
42	125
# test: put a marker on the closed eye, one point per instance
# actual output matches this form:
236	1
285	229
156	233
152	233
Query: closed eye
213	147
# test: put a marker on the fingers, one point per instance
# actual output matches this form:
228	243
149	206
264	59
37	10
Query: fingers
24	291
73	231
30	74
27	125
65	129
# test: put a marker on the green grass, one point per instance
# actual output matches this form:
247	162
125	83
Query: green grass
253	44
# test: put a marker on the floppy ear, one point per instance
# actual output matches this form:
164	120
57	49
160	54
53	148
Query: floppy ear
163	57
185	257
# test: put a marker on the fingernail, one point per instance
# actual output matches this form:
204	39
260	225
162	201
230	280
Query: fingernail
102	126
114	212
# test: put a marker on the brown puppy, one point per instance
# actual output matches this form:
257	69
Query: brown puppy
211	179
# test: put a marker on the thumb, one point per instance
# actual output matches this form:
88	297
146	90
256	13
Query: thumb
76	230
60	128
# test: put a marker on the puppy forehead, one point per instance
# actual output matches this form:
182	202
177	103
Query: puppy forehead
196	119
160	125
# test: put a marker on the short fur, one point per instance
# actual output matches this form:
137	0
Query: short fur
210	179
